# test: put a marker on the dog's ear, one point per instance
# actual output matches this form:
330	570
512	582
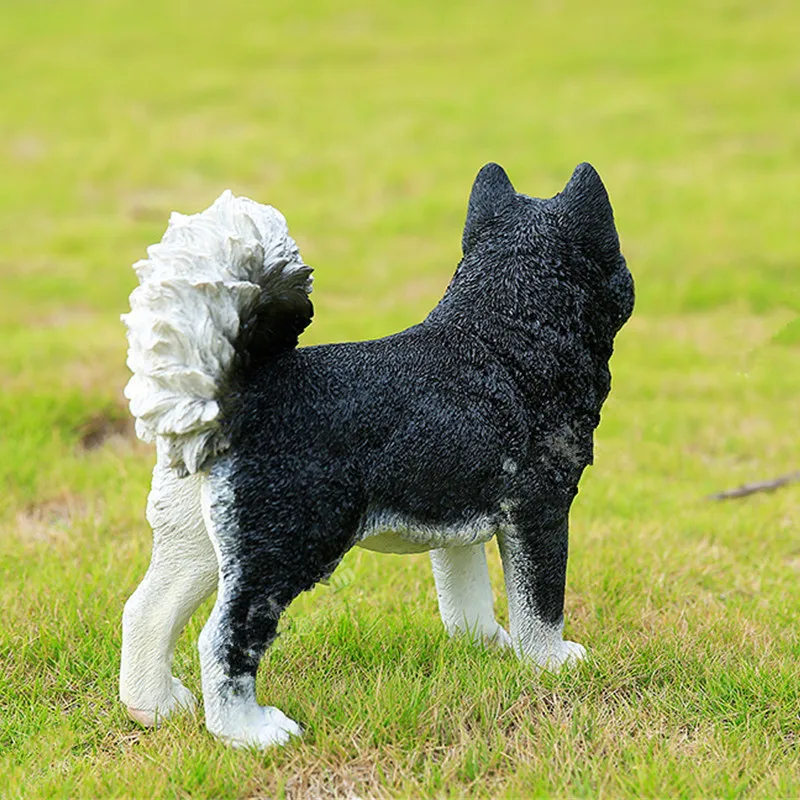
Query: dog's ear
491	193
586	210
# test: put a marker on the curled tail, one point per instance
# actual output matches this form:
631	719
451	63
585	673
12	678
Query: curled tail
222	287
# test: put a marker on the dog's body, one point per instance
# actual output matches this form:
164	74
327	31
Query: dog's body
477	422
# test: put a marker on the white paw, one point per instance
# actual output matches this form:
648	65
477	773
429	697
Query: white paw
273	728
497	637
179	699
567	654
493	635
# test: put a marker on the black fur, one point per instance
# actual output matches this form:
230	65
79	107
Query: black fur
283	312
510	367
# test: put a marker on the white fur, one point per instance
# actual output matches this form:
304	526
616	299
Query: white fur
466	602
387	532
198	286
183	572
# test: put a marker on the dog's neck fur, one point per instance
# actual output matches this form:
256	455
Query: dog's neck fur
489	299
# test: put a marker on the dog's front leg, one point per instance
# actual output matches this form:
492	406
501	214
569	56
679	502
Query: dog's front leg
534	553
465	595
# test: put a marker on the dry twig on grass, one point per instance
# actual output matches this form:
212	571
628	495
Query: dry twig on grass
760	486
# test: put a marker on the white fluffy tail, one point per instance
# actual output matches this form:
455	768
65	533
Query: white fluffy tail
221	286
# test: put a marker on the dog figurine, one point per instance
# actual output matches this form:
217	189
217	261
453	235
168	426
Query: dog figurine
274	461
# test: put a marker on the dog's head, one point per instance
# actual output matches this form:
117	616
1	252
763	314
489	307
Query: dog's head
572	234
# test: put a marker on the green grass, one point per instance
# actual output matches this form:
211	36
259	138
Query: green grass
365	125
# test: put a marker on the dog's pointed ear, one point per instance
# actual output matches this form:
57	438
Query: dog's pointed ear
491	192
587	211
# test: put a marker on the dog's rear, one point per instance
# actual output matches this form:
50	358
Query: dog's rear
476	422
221	291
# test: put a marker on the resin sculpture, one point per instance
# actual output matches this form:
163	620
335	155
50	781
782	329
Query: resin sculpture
273	460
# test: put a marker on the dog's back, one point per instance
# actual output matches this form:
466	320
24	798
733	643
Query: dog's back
440	425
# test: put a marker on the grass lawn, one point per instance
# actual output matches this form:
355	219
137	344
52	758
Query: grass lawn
365	124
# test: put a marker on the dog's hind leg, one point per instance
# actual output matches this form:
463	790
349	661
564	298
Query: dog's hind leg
466	603
183	572
273	542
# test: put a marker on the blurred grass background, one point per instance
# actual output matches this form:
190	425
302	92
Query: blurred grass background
365	124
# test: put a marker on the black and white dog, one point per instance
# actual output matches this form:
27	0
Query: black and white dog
274	461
